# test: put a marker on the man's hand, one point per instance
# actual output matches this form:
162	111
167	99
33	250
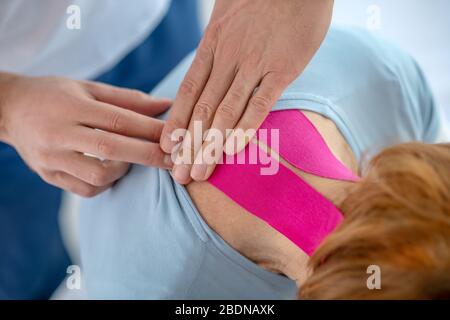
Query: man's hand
248	45
52	122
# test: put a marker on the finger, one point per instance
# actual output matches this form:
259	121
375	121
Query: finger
187	96
202	117
206	160
226	117
258	107
89	169
110	118
70	183
130	99
111	146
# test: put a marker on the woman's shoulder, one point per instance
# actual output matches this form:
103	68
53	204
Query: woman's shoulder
137	241
375	92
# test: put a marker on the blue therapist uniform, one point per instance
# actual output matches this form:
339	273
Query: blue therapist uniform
33	259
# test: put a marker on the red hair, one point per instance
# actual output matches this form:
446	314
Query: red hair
398	218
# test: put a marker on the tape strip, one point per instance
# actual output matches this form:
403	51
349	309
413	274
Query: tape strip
283	200
301	145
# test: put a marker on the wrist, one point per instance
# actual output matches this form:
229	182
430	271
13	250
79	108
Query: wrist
221	7
7	81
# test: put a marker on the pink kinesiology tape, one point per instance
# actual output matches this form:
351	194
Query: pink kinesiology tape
302	146
284	200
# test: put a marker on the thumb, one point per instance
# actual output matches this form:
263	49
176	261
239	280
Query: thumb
130	99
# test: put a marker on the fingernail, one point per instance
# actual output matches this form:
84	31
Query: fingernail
240	144
181	173
168	137
198	172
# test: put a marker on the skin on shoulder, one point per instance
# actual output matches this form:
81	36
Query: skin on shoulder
253	237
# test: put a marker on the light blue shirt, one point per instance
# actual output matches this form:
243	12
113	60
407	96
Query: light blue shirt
144	238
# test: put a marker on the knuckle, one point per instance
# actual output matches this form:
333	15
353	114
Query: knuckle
99	177
155	135
261	104
47	177
189	87
174	123
87	191
116	122
236	95
203	111
88	85
45	136
212	31
58	176
57	179
255	60
150	156
204	55
104	148
43	156
227	112
136	94
115	91
209	37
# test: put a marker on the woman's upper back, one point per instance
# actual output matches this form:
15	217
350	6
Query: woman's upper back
257	239
145	238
